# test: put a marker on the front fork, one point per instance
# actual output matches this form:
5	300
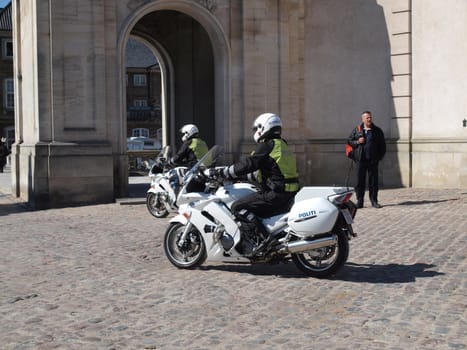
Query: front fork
164	198
184	235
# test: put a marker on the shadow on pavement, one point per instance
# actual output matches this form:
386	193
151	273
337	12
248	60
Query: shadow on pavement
390	273
258	269
360	273
422	202
12	208
137	190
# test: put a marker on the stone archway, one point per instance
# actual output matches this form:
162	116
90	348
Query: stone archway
142	22
70	144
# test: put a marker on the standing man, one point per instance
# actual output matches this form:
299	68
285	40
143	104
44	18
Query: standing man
370	147
4	152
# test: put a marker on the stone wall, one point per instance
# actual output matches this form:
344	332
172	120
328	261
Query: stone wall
318	63
439	88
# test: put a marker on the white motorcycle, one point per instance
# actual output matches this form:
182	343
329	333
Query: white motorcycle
166	181
314	234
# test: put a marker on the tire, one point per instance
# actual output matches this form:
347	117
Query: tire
324	262
156	206
193	251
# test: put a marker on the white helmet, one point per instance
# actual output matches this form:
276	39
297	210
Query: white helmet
267	125
188	131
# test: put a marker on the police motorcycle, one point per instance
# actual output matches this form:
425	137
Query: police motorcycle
161	197
314	233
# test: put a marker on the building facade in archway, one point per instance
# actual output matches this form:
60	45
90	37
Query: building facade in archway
316	63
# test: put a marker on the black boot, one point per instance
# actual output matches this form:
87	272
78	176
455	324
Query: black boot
374	202
252	227
360	203
248	232
263	246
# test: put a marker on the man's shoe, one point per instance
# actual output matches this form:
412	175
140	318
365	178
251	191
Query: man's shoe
375	205
360	204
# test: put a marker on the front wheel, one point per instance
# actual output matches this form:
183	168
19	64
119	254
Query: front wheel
187	254
324	262
156	205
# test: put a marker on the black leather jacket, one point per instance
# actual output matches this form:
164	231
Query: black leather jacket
377	148
272	176
186	154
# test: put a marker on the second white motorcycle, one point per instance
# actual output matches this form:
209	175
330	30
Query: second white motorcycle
166	181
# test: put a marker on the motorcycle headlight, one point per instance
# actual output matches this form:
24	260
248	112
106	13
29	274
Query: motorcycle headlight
187	214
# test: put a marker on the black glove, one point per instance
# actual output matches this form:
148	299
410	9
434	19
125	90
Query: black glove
221	173
213	173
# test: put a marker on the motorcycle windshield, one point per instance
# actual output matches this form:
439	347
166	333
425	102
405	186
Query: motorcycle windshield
164	154
160	161
209	160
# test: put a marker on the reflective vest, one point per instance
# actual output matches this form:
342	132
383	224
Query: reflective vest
285	160
198	147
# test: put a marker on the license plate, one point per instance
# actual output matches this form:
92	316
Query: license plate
347	216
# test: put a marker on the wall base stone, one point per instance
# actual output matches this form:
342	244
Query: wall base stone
49	175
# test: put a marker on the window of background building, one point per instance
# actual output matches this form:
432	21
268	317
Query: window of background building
140	103
7	49
10	135
139	80
8	94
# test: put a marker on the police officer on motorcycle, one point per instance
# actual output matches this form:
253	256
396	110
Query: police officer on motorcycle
275	169
192	148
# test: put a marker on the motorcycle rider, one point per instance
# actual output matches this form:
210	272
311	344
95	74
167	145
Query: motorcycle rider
192	148
275	169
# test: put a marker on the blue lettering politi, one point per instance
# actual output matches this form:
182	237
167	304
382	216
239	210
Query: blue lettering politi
307	214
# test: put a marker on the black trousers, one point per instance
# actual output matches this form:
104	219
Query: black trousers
370	167
265	204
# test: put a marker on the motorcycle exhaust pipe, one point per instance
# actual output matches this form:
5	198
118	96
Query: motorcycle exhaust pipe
306	245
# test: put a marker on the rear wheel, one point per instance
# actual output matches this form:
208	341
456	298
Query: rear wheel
156	205
324	262
187	254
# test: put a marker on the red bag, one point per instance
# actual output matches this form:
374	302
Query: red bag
349	150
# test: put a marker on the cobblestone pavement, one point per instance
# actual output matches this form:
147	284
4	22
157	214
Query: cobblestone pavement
96	277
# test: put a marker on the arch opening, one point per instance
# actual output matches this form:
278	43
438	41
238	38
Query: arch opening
193	54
